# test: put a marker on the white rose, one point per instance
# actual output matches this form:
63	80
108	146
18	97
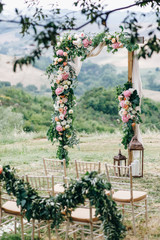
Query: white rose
61	105
74	42
70	111
65	87
131	90
60	138
58	123
67	126
76	36
127	102
58	44
61	39
66	68
68	82
63	123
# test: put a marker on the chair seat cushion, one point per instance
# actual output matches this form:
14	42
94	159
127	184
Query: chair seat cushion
82	215
125	196
11	208
58	188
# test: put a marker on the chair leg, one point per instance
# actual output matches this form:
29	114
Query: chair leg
49	231
133	219
82	232
22	229
91	229
146	212
33	225
15	225
67	230
57	236
39	229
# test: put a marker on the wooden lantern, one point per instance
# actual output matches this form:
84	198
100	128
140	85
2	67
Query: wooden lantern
118	159
136	148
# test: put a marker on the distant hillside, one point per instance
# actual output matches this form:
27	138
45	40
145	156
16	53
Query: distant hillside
28	75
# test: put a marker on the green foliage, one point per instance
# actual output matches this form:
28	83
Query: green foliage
4	84
10	120
35	110
91	186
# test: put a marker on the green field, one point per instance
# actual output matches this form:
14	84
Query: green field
26	151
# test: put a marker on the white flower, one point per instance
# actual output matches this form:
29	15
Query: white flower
127	102
59	77
70	111
79	42
61	105
60	138
131	90
65	87
58	44
76	36
69	82
82	34
61	39
58	123
74	42
67	126
69	120
65	147
63	123
61	116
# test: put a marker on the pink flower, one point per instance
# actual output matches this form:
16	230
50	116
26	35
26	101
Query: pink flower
65	76
85	42
64	113
59	128
116	45
127	93
125	119
122	104
65	54
59	90
59	52
65	100
90	42
82	35
61	116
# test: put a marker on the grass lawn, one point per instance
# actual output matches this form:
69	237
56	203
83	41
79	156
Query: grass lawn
25	153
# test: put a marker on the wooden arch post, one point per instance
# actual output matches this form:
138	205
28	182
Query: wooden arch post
130	68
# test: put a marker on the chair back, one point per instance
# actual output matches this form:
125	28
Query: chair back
55	167
44	185
120	177
82	167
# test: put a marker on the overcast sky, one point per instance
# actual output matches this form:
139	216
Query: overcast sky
68	4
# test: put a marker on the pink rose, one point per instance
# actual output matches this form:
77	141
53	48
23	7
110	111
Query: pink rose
127	93
90	42
82	35
64	113
116	45
85	42
65	76
122	104
59	91
59	128
125	119
59	52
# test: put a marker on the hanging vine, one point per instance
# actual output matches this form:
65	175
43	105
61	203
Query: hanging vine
63	80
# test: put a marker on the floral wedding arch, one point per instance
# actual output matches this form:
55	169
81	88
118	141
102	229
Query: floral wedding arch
70	51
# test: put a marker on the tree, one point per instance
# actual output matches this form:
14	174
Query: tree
46	27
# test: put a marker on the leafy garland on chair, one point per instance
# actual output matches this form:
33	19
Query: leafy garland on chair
91	186
130	115
64	80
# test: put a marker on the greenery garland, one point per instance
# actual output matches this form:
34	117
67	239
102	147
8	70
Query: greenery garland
130	115
64	80
91	186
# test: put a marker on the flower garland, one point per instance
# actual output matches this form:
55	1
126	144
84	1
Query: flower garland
91	186
64	80
130	115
